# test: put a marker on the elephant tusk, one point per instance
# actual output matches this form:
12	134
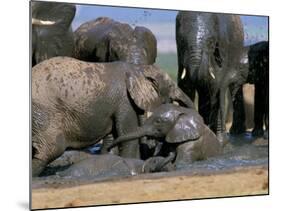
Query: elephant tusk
183	73
211	70
41	22
149	114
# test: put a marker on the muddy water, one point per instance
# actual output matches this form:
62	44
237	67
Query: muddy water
243	151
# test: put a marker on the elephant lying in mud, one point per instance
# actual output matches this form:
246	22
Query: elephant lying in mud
75	104
105	166
181	130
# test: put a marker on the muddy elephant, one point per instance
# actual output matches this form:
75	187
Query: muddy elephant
109	166
257	69
75	104
52	34
209	48
179	130
106	40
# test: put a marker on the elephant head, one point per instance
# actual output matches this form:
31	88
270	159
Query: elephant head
106	40
204	47
149	87
174	123
51	30
200	44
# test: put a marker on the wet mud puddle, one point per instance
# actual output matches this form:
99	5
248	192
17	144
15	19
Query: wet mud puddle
243	151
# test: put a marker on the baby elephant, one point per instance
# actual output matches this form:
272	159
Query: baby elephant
183	130
108	166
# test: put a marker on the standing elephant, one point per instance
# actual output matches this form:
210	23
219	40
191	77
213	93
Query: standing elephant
51	30
209	50
106	40
75	104
181	130
257	69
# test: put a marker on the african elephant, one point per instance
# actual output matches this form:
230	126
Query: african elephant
257	69
180	130
107	166
75	104
51	30
209	50
106	40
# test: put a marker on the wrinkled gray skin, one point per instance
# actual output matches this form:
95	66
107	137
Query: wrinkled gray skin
209	50
182	130
256	66
106	40
52	34
104	166
75	104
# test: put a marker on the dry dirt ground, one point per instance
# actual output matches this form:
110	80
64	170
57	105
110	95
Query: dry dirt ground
156	187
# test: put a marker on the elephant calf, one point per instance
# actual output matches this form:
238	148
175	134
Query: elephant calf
105	166
75	104
183	129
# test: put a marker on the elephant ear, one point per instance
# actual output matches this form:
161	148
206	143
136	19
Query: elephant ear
142	90
189	126
148	41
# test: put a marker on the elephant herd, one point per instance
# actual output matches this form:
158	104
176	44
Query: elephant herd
99	84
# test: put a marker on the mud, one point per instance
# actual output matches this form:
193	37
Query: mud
242	169
240	152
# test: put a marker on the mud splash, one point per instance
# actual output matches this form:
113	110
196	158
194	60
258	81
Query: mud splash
242	151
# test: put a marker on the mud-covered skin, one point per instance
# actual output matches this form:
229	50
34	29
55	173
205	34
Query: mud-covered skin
105	166
205	147
106	40
209	50
182	130
52	34
257	68
83	102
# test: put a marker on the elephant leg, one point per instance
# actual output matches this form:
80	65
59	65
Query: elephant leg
107	141
238	123
188	152
259	113
46	148
145	145
220	121
126	122
186	85
213	115
204	105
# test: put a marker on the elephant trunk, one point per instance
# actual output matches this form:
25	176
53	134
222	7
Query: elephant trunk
140	132
183	99
192	60
167	160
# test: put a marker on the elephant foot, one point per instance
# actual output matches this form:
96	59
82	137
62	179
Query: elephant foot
257	132
237	130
